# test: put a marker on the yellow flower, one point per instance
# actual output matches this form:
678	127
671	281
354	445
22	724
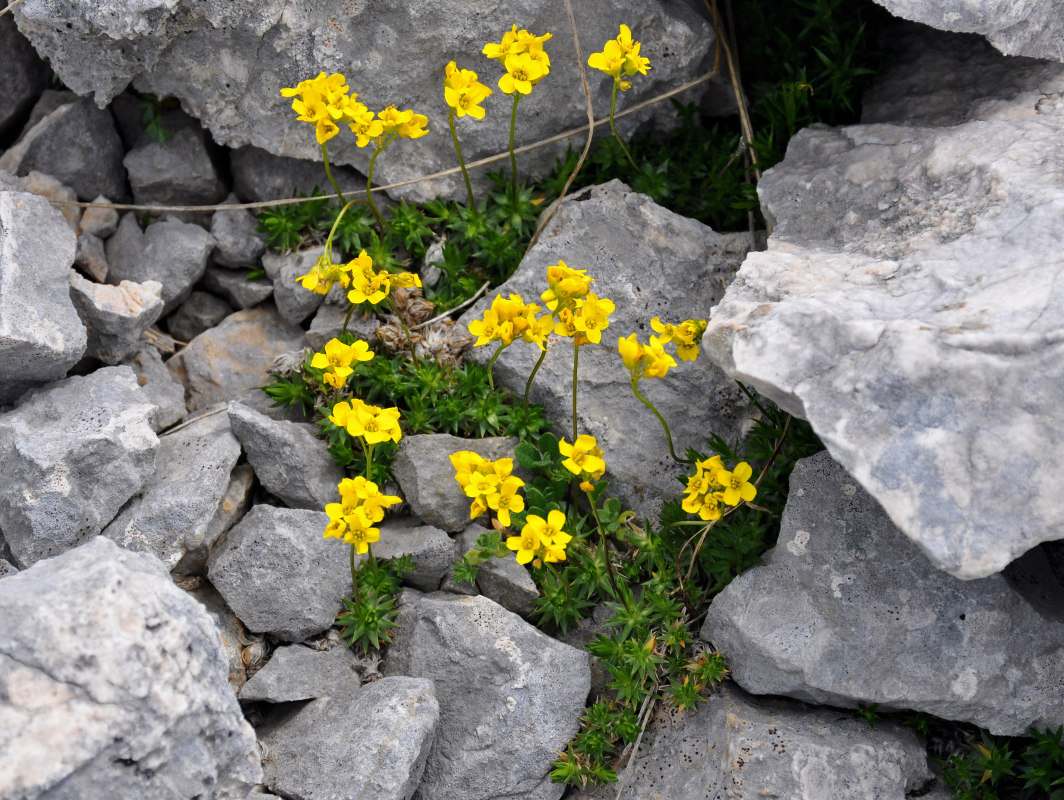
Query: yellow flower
366	284
631	351
514	41
490	329
583	457
406	124
592	316
361	533
337	356
736	484
610	60
687	336
541	537
320	101
365	126
565	286
506	500
657	362
374	424
620	57
322	276
527	544
463	92
522	73
404	280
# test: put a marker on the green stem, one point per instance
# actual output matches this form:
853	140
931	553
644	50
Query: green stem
528	383
367	448
576	363
372	560
369	184
328	171
491	363
606	556
354	576
347	319
336	223
513	126
461	161
661	419
613	105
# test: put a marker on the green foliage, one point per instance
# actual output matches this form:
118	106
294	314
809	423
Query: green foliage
152	118
991	771
370	620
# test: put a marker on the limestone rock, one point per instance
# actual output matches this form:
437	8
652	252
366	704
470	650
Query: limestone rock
431	550
201	311
91	257
295	672
25	77
115	317
847	610
643	258
160	389
906	307
238	647
234	504
259	175
510	696
372	743
41	336
44	185
99	220
235	287
237	241
73	453
114	685
294	303
176	172
500	579
173	514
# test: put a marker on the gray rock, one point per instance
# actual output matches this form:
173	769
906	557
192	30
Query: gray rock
740	747
63	483
295	672
640	255
899	313
237	242
200	312
101	645
1033	29
115	317
91	257
9	183
370	744
160	389
328	323
76	143
234	504
41	336
173	514
7	569
294	303
44	185
259	175
176	172
279	574
232	361
289	459
169	251
500	579
238	647
235	287
392	55
422	466
847	610
25	77
510	696
98	219
431	549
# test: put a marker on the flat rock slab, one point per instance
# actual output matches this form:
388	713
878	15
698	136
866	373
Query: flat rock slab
847	611
295	672
371	744
41	336
909	307
645	259
510	697
113	684
736	746
63	483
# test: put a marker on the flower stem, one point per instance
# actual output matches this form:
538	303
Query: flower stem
335	225
461	161
513	158
369	184
328	171
347	319
528	383
606	556
613	105
491	363
354	576
367	448
576	364
661	419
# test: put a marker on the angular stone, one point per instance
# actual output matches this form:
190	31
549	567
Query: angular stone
1033	29
372	743
160	389
99	220
25	77
76	143
235	287
46	186
294	303
114	685
328	323
289	459
173	514
41	336
259	176
235	639
847	610
500	579
737	746
431	549
422	466
7	569
898	310
510	696
386	57
234	504
91	257
237	241
232	361
295	672
115	317
176	172
64	482
279	574
169	251
200	312
640	256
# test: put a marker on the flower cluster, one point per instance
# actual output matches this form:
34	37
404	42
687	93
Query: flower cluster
645	360
713	485
361	507
686	336
489	484
336	359
511	318
541	539
583	458
579	313
359	276
463	92
325	103
620	58
522	55
372	424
